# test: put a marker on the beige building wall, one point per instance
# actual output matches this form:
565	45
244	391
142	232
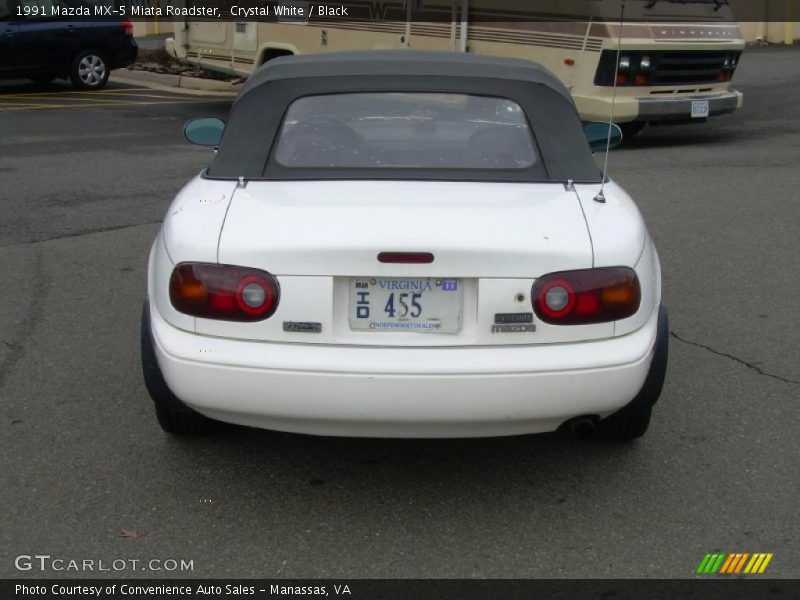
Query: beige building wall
143	28
778	22
774	32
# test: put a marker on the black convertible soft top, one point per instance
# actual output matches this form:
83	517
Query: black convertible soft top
414	63
257	115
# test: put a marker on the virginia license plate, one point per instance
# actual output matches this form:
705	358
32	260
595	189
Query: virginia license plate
426	304
699	109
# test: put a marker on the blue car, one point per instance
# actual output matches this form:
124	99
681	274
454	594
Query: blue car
42	40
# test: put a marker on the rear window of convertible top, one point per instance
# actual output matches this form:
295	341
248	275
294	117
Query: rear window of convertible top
405	131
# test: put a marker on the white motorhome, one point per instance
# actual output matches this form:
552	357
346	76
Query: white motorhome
672	61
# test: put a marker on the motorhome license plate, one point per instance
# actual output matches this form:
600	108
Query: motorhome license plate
699	109
426	304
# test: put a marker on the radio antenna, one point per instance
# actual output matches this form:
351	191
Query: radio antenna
601	197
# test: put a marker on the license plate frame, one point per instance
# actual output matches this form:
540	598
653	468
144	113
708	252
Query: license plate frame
405	304
700	109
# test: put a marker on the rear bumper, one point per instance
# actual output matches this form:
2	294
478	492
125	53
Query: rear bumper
657	107
400	392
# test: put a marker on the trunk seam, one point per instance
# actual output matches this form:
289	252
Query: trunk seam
224	219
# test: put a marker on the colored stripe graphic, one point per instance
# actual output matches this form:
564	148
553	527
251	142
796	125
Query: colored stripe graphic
765	563
703	563
734	563
755	562
711	563
735	556
718	564
740	564
726	565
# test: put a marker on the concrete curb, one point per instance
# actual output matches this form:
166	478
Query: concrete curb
165	80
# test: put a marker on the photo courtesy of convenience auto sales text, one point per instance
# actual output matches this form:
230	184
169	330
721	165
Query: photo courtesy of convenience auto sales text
195	590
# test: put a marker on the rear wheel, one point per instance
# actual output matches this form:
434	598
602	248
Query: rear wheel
172	414
89	70
632	421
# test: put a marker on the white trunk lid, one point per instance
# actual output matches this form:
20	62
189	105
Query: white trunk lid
338	228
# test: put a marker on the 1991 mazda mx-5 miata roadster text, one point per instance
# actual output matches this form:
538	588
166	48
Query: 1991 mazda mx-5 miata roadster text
404	244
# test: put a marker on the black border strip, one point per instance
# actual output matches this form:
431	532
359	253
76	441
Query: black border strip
712	588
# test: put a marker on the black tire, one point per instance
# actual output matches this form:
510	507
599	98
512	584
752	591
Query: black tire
630	130
89	70
622	427
633	420
173	415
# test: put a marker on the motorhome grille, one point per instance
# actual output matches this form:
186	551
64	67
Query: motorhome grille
682	68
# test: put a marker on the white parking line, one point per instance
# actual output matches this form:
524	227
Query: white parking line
20	106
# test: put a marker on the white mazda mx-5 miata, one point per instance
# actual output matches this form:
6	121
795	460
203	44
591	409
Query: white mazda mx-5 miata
404	244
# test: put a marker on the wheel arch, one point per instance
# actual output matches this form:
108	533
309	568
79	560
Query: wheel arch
275	50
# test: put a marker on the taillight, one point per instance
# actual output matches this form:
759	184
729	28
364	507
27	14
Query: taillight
586	296
127	28
223	292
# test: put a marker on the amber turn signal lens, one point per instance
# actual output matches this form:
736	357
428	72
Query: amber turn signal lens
192	291
621	294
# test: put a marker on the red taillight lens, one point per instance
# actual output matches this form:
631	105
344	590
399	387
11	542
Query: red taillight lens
223	292
557	298
586	296
127	28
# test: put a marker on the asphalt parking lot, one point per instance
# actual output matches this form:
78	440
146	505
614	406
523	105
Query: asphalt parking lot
86	179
